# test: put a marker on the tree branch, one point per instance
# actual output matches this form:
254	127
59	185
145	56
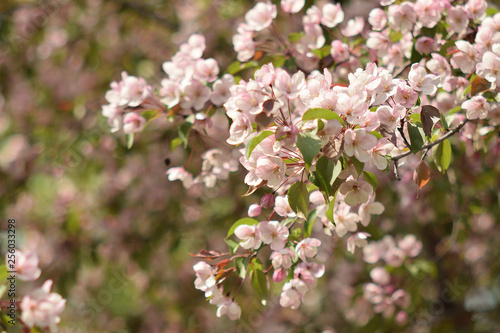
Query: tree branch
432	144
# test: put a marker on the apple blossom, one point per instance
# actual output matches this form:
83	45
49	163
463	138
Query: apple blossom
249	235
42	308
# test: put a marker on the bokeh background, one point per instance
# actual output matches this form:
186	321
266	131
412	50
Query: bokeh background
116	236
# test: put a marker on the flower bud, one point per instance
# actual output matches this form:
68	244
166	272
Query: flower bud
267	201
254	210
279	275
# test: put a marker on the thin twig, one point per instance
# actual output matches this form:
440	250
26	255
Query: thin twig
432	144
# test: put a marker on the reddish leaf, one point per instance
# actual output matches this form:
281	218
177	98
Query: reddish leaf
429	116
207	255
422	175
479	85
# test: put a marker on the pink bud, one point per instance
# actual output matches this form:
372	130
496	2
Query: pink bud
267	201
279	275
401	317
254	210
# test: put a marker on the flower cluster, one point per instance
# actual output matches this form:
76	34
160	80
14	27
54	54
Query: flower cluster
326	110
40	307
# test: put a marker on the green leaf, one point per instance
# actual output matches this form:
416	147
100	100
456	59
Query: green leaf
233	245
309	223
371	179
258	280
444	122
454	110
321	113
331	205
3	272
415	56
184	130
325	174
491	11
295	37
359	166
241	266
255	142
416	137
3	288
246	220
298	198
175	143
236	66
309	145
130	140
150	114
376	134
442	156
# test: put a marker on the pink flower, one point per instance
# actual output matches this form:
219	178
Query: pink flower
207	69
466	59
355	191
283	258
229	308
476	9
425	45
357	240
290	298
354	27
292	6
368	209
378	19
240	129
249	235
339	51
373	293
402	17
421	81
380	276
273	233
26	265
405	95
243	43
221	91
205	277
307	248
133	123
272	169
332	15
476	107
410	245
261	16
390	116
489	68
290	86
401	298
170	92
282	207
345	220
42	308
428	12
394	257
195	95
357	143
194	47
456	18
254	210
179	173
